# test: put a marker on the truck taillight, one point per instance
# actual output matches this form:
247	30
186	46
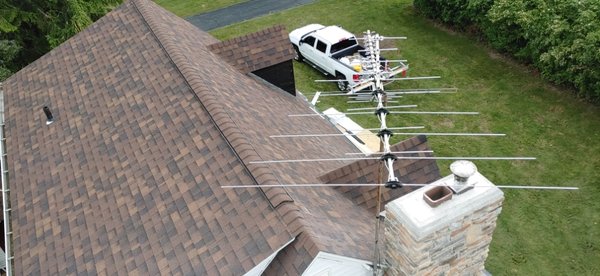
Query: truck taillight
404	73
355	77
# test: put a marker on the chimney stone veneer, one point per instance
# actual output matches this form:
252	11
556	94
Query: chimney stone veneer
450	239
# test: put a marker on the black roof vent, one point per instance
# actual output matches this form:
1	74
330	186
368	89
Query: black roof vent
49	117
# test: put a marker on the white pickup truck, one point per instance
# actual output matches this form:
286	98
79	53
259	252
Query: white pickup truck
335	52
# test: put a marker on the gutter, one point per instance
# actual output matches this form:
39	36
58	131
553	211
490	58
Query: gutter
5	192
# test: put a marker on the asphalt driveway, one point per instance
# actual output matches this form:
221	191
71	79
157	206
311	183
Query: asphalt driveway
242	11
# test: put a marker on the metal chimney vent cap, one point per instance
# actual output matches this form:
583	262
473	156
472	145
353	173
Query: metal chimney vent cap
463	168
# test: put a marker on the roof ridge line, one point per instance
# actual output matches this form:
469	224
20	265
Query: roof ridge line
278	196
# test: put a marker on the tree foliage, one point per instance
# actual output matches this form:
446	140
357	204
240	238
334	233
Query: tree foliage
34	27
8	52
559	37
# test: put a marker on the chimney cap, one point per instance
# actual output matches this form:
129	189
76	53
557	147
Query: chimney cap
463	168
462	171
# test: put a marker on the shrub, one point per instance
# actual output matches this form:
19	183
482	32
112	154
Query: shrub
559	37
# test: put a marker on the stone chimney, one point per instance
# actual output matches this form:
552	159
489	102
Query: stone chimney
451	238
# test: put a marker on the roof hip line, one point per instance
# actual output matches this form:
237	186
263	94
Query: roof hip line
238	143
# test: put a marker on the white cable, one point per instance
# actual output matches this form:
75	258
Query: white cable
386	143
382	120
391	176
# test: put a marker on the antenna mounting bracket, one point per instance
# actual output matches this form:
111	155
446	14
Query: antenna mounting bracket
394	184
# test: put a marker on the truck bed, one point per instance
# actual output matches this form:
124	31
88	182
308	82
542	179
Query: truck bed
349	51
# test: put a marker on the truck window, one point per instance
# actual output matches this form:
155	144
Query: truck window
321	46
310	40
344	44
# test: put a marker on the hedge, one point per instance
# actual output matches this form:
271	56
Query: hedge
561	38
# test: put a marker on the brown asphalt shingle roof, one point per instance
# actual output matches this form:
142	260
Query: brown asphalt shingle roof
149	124
127	179
420	171
256	50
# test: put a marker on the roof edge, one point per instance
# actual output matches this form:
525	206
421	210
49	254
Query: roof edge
278	197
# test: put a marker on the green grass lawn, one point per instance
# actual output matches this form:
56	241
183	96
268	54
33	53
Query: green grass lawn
185	8
539	232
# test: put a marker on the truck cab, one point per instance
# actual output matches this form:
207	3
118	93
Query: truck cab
328	49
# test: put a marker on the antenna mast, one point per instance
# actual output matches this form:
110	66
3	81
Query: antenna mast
371	44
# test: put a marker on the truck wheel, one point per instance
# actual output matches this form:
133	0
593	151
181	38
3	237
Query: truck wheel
342	84
298	57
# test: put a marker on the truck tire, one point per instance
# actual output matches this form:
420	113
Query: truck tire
298	57
342	84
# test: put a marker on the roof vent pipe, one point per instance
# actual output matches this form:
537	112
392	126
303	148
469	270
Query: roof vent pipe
462	170
49	117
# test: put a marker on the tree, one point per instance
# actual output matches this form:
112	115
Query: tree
33	27
8	51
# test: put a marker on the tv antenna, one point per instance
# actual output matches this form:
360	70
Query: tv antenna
376	74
